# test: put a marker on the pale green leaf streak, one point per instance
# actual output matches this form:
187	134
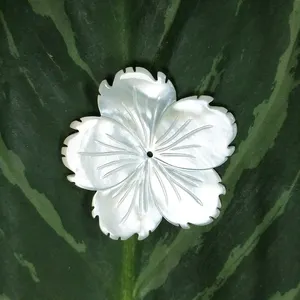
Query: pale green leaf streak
25	72
161	261
119	12
238	7
26	264
54	62
237	255
2	234
11	43
170	14
13	169
290	295
169	19
213	77
269	118
4	297
55	10
15	53
128	269
248	155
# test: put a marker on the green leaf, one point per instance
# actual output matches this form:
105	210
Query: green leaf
54	53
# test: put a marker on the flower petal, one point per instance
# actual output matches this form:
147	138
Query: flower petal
126	209
137	100
186	196
192	134
101	154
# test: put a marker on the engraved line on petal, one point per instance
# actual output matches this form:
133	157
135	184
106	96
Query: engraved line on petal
187	135
170	180
153	197
175	134
186	178
139	114
120	184
133	134
154	123
133	119
141	200
118	169
156	203
126	192
183	175
114	162
181	168
161	139
186	147
131	205
110	146
186	190
161	185
177	154
128	178
146	184
122	143
93	154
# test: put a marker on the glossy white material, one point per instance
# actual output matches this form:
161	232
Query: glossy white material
148	156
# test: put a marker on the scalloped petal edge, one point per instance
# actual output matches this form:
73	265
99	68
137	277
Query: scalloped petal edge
115	237
161	77
229	115
77	126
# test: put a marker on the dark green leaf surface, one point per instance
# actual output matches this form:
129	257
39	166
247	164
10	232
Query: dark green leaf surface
53	54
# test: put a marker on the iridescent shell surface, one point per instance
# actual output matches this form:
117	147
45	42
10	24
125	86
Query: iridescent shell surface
149	156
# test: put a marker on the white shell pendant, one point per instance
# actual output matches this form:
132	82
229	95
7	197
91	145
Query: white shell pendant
149	156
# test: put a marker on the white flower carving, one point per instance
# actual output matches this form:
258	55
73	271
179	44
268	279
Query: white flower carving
149	156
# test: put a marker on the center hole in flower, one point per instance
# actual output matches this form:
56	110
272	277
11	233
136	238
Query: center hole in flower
149	154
